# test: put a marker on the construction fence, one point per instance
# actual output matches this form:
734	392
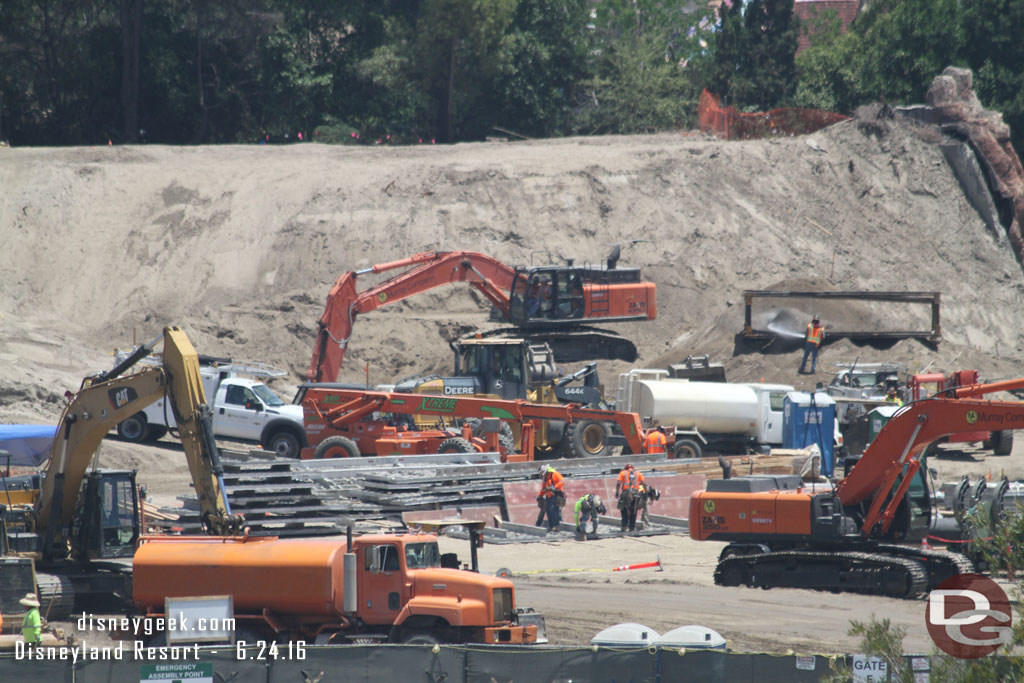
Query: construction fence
732	124
452	664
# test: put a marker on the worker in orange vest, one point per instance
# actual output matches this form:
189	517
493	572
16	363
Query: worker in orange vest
552	497
627	490
656	441
812	341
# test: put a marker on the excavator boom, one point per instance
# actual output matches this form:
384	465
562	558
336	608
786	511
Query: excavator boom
426	271
557	300
103	402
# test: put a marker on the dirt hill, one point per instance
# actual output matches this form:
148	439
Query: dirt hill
239	245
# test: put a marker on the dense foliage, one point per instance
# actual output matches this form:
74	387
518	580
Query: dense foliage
177	71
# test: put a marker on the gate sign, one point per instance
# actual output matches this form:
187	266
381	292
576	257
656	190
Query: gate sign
868	669
177	672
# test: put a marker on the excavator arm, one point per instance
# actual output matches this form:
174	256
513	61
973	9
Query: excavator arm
425	272
103	402
894	457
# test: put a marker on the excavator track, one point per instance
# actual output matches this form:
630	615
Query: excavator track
940	564
576	345
856	572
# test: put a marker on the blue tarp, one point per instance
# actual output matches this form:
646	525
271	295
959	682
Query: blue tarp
28	444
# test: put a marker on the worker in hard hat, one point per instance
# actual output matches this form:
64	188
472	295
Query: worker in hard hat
656	441
893	396
32	624
553	496
812	341
627	491
588	506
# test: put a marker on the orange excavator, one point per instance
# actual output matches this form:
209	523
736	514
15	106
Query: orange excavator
847	538
545	303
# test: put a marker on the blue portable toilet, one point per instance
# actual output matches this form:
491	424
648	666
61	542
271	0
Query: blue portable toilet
810	418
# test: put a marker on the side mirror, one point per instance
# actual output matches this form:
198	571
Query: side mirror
254	405
375	559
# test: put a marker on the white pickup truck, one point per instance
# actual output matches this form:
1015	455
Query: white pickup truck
243	409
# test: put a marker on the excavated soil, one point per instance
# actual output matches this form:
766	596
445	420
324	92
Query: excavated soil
239	246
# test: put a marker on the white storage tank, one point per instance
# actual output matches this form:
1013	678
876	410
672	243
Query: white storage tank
711	407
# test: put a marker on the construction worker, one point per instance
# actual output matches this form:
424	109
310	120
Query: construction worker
627	491
893	396
656	441
812	341
31	625
553	495
648	494
589	506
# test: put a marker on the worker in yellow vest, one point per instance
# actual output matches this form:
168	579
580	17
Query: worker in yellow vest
812	341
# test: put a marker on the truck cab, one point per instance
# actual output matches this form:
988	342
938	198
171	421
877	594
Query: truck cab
244	409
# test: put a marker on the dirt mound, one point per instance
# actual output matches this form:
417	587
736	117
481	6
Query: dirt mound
239	245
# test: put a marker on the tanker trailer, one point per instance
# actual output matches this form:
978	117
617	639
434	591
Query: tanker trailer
389	587
718	416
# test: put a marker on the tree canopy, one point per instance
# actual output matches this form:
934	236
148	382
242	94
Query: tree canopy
177	72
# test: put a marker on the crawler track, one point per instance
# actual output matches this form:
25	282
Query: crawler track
874	573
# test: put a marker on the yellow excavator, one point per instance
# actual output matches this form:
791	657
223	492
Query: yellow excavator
71	541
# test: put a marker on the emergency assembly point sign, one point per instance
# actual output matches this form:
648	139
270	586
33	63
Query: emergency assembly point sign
969	616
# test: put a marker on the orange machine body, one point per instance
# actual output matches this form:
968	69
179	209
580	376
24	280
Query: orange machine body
630	301
739	516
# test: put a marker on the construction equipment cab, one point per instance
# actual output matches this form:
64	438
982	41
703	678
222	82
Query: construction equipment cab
547	296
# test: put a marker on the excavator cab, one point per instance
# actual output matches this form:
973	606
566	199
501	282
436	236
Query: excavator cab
106	522
547	296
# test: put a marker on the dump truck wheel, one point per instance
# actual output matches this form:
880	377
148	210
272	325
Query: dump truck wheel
455	445
586	439
336	447
134	429
1002	442
687	448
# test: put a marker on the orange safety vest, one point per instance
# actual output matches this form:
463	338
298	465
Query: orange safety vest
630	479
814	334
655	442
552	480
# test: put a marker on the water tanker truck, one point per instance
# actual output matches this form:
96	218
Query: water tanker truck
717	416
322	591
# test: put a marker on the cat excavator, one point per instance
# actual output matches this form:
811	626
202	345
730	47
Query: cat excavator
72	539
546	304
848	538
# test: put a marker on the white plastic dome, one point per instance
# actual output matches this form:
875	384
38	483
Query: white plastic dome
692	637
625	635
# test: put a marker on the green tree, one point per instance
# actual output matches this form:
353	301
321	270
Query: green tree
751	63
642	70
541	61
993	46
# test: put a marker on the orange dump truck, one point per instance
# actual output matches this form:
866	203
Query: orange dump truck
390	586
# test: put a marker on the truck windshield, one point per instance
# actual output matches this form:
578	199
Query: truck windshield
422	555
266	395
